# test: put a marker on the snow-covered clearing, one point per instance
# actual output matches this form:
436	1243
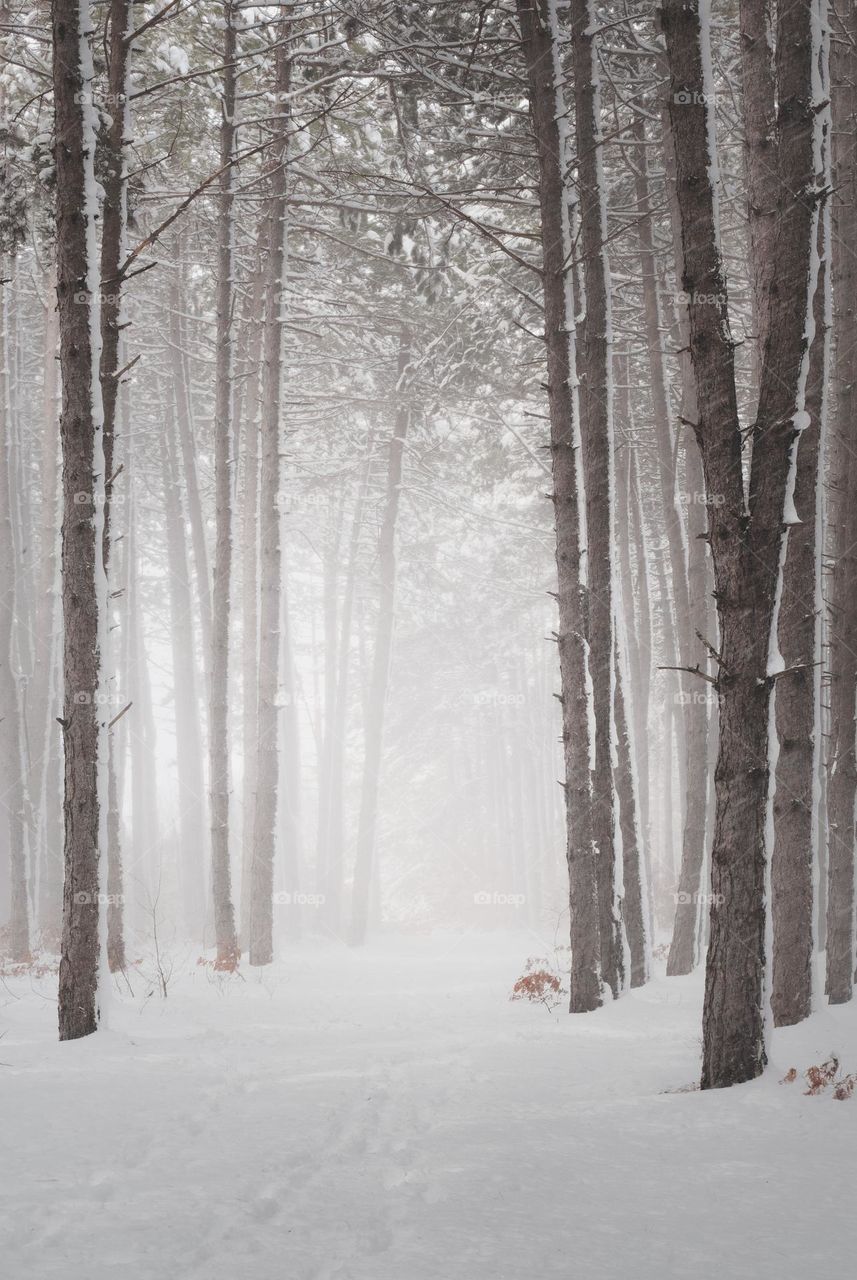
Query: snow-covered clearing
390	1115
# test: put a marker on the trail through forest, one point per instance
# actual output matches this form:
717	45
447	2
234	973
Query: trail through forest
390	1115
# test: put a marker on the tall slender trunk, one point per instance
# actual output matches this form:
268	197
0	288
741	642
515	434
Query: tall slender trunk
250	581
114	218
218	719
189	757
84	578
747	538
549	121
597	422
633	864
44	785
684	950
327	716
11	724
336	799
187	445
798	698
364	863
760	160
842	523
270	562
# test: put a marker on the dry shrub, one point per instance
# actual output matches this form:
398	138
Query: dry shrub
818	1078
539	984
821	1077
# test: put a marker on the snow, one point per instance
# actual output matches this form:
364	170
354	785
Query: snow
389	1115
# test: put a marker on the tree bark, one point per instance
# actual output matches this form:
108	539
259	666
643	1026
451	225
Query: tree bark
83	570
270	566
544	79
746	540
597	430
842	520
798	701
218	718
11	727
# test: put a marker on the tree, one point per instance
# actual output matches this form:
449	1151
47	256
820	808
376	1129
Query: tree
747	534
265	773
541	51
84	578
218	715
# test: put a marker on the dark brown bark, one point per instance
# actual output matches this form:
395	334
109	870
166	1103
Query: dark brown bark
112	248
635	904
79	963
798	706
760	160
568	498
746	545
596	422
699	710
842	518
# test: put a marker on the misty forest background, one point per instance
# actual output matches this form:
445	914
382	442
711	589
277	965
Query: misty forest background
427	441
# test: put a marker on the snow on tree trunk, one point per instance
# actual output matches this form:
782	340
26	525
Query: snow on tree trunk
550	129
596	392
842	520
747	538
84	579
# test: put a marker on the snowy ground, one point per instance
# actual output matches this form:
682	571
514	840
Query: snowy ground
389	1115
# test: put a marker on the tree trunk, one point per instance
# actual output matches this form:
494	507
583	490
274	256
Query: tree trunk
798	701
544	78
747	541
270	564
597	423
83	571
364	863
114	217
250	582
11	738
635	899
684	950
842	522
218	718
760	161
